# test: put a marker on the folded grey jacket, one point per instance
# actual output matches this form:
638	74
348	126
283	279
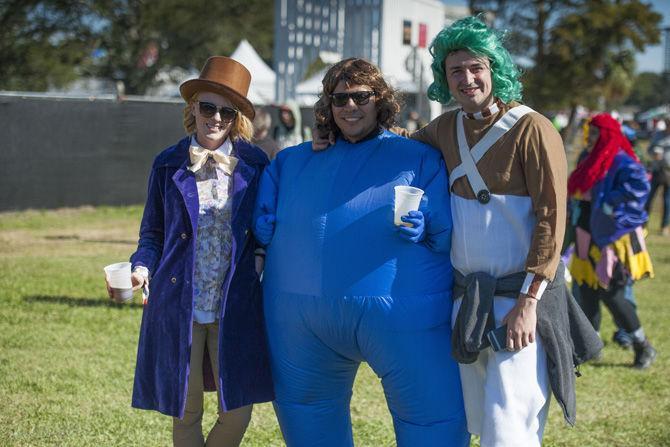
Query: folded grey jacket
567	335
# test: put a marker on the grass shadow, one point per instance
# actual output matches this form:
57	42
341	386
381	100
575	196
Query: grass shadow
74	237
77	302
610	365
661	259
103	241
62	237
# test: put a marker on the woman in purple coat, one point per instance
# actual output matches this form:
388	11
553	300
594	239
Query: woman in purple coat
203	319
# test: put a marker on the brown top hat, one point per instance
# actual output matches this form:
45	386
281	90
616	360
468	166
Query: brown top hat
226	77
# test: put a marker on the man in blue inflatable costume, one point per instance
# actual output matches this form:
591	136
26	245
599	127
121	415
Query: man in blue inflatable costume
344	285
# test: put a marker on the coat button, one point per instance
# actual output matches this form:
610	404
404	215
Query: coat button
184	236
174	280
246	232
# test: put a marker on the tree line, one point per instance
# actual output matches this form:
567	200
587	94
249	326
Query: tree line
49	43
580	52
575	52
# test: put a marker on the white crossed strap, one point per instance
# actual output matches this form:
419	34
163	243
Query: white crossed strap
470	158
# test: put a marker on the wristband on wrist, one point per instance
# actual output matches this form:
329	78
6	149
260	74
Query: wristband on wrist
534	286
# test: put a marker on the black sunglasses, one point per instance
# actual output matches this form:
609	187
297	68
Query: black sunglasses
208	110
360	98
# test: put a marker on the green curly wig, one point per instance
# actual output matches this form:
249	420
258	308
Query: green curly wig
473	35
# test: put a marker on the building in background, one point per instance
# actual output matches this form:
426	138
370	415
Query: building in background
306	32
393	34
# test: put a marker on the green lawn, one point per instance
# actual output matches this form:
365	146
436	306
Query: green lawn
67	355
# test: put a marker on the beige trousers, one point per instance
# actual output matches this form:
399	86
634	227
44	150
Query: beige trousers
231	425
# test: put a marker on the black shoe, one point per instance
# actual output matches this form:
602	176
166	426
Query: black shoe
645	354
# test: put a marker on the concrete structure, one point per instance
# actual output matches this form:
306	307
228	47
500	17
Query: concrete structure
408	28
393	34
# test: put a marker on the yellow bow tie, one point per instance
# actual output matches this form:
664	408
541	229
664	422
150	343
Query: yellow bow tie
200	155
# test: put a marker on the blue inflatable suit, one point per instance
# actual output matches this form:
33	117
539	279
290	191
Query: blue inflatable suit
342	287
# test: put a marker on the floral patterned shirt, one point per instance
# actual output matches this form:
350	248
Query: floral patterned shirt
214	239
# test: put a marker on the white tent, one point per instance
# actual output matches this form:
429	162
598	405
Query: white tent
307	92
262	89
656	112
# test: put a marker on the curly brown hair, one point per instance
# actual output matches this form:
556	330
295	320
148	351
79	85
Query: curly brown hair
355	71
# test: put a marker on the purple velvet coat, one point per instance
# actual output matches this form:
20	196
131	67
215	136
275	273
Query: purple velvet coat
167	247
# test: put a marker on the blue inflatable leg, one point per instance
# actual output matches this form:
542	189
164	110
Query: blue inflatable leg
313	383
422	386
317	424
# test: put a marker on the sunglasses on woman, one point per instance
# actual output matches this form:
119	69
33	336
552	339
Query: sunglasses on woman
360	98
208	110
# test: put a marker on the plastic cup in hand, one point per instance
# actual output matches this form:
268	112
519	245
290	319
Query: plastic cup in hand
118	276
407	198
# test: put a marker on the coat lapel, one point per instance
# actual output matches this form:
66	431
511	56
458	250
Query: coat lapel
185	182
242	175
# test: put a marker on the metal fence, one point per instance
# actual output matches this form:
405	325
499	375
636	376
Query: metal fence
72	151
65	151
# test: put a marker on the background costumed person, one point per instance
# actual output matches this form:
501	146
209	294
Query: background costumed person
203	322
343	284
659	166
611	187
289	131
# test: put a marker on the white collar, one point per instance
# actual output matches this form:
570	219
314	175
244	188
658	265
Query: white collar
484	113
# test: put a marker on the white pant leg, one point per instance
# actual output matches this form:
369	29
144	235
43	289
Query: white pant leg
506	394
473	378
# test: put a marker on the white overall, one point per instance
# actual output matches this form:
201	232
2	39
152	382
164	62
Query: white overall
506	394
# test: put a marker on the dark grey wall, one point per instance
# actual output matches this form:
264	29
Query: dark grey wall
71	152
57	152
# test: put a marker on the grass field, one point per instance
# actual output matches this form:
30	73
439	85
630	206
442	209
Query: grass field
67	354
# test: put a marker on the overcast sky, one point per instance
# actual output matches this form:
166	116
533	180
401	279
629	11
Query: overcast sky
652	58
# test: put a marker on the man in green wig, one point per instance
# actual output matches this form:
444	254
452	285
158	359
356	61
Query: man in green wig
507	176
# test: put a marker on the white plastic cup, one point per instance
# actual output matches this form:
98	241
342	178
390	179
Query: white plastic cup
407	198
118	276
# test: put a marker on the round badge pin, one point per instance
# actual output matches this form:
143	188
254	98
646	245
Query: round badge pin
484	197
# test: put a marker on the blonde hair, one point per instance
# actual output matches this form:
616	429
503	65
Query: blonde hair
242	129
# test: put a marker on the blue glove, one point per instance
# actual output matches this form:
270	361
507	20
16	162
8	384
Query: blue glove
415	233
264	228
